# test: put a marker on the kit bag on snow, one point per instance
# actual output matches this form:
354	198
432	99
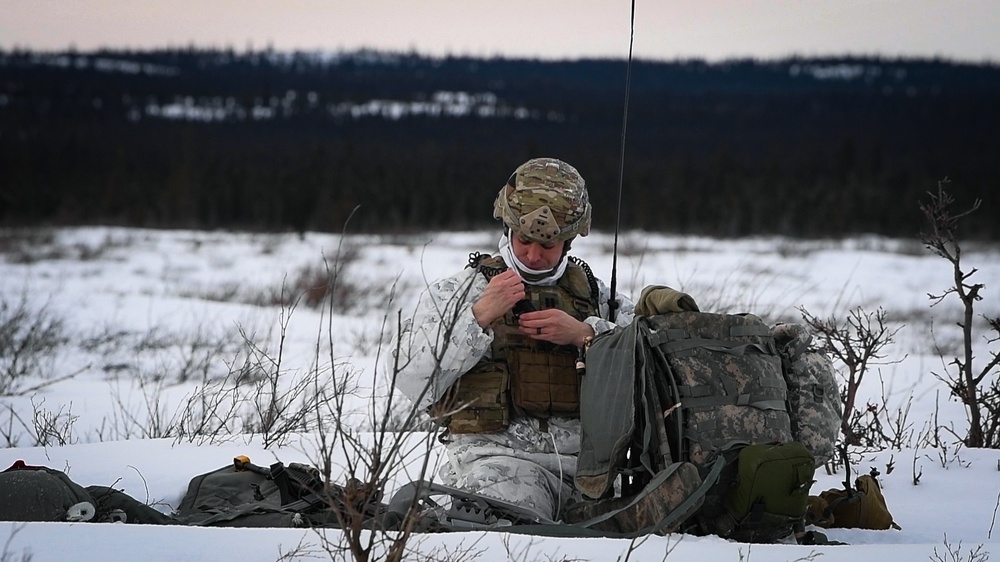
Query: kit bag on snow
39	493
861	506
246	495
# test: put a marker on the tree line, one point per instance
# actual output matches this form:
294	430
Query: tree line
401	142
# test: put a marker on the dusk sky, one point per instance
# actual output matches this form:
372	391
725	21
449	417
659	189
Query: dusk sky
966	30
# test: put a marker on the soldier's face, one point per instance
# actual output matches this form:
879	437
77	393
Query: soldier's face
537	256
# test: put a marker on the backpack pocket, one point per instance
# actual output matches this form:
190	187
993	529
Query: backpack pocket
770	494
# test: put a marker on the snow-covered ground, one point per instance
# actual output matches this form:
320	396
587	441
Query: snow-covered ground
150	322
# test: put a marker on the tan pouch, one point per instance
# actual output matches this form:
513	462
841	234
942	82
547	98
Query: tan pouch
546	384
861	508
477	402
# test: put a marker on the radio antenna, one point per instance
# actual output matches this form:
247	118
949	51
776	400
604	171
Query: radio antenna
612	302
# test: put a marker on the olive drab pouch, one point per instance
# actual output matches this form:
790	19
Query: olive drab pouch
477	402
769	495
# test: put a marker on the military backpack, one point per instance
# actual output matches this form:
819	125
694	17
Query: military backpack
707	389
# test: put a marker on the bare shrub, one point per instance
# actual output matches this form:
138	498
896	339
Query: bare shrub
46	428
953	553
53	428
363	441
33	245
28	337
208	414
741	290
161	354
27	245
373	455
312	285
978	388
146	420
858	343
8	554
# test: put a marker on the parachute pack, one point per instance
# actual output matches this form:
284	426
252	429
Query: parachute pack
39	493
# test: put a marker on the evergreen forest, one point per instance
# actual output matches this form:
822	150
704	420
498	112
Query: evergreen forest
393	142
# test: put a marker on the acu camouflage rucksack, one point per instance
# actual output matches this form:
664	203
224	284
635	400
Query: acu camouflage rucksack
710	390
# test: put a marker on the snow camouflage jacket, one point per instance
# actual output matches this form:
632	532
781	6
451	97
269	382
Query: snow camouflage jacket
441	342
443	325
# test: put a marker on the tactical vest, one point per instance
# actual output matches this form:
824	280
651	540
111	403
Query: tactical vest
526	376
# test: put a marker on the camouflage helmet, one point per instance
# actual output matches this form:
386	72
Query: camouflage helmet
545	200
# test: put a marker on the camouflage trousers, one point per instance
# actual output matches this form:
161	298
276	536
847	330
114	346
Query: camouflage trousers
523	465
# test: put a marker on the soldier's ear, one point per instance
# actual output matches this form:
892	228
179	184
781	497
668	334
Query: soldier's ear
567	244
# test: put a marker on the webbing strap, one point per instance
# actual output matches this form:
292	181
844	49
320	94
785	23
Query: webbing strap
672	518
731	347
743	331
675	514
750	330
674	333
761	402
734	331
222	514
702	396
647	438
658	479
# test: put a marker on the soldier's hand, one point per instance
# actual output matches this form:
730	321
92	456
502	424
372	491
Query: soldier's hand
501	294
555	326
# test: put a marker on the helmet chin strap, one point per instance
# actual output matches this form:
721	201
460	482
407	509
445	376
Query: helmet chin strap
530	276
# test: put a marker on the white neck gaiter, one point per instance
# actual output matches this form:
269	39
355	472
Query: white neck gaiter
528	275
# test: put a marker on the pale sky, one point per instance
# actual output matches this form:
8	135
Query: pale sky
966	30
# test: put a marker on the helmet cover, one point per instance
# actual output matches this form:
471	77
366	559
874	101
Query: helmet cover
545	200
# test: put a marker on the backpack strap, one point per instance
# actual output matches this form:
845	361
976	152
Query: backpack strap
676	515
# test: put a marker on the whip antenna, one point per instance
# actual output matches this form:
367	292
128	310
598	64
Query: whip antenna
612	303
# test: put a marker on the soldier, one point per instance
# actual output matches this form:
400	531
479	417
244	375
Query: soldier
491	352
